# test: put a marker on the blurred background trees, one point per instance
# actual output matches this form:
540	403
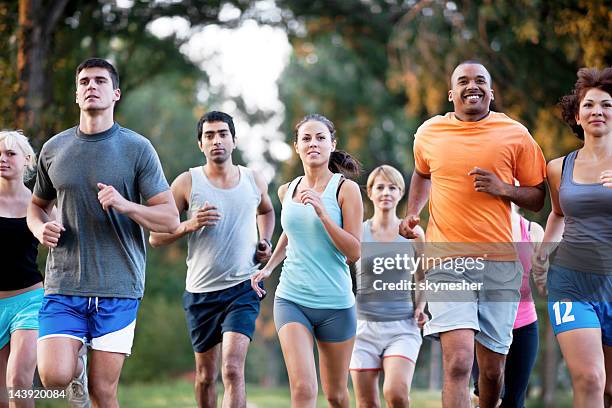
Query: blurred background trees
377	68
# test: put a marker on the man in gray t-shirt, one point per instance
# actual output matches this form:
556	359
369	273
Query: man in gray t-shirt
96	173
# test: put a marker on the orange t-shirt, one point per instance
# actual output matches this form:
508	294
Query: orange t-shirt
447	149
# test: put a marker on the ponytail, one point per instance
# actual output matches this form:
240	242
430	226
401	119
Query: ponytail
342	162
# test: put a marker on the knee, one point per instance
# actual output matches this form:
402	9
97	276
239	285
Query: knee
337	398
366	402
458	366
55	377
232	373
396	397
492	374
102	393
304	391
590	380
19	378
205	378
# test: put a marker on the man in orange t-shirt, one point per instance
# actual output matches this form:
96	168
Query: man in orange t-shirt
469	160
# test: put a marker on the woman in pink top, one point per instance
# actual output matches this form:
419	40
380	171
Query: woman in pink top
524	349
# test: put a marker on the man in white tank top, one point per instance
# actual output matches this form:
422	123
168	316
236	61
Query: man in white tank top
226	206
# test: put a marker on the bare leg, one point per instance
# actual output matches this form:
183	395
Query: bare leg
457	360
365	384
57	361
334	359
608	363
398	378
207	366
104	372
233	356
583	353
4	355
491	375
21	364
297	345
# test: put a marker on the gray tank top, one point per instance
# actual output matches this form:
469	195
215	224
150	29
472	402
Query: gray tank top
587	237
222	256
385	309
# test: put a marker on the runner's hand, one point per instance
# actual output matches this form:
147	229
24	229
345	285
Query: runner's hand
264	251
259	276
111	198
49	233
486	181
421	317
310	196
406	228
539	271
205	216
606	178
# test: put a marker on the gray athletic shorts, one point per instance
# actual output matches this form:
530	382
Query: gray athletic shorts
327	325
490	311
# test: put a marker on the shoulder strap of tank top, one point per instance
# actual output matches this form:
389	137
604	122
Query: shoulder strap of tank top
291	188
568	163
332	185
249	175
525	236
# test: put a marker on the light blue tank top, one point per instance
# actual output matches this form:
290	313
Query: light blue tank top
587	237
315	273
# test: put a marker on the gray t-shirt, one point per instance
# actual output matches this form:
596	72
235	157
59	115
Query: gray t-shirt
101	253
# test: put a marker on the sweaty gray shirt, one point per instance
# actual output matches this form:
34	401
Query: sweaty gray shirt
101	253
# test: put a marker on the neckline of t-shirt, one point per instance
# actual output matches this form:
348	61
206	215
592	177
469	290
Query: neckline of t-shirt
211	185
96	137
464	123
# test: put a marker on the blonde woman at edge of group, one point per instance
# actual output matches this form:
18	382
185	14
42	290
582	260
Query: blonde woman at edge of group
388	324
321	219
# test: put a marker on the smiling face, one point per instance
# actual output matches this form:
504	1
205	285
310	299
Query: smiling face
595	113
471	92
384	193
13	162
95	90
314	143
217	142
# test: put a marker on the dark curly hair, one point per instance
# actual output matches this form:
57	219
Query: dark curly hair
339	161
588	78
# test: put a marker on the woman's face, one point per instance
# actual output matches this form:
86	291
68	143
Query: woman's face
595	113
314	143
384	194
12	162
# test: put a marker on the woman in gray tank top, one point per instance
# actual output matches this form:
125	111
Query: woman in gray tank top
388	335
579	279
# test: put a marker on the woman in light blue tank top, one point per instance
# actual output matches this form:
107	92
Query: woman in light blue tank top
580	275
388	326
321	219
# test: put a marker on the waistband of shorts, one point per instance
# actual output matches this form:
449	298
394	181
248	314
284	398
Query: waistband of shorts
22	297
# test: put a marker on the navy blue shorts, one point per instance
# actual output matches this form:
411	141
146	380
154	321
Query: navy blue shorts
327	325
210	314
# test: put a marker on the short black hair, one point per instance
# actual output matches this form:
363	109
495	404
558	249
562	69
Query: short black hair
471	62
216	116
99	63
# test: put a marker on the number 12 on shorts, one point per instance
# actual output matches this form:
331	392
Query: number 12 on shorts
567	315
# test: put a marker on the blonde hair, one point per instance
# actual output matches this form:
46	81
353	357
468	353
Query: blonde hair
12	138
388	172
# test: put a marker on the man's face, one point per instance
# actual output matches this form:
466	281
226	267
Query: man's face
471	92
217	142
95	90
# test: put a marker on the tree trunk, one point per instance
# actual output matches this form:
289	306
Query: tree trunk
37	22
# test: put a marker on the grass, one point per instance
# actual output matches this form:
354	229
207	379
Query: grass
179	394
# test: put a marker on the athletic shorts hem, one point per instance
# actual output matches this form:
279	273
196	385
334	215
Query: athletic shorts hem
400	356
586	326
434	332
365	369
335	339
109	350
61	335
496	348
26	327
233	330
